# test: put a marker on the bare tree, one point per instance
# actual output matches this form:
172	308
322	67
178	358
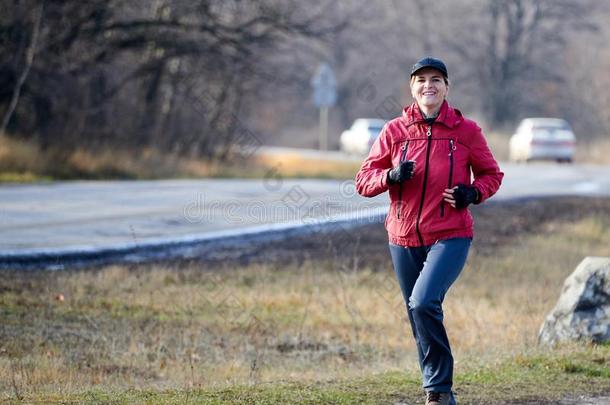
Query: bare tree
29	58
515	47
133	58
192	77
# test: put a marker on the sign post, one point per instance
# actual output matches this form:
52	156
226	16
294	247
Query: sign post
324	96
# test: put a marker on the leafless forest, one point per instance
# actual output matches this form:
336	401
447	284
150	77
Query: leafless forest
194	78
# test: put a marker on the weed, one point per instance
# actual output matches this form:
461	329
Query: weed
325	330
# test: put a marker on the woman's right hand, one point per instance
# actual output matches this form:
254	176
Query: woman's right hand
404	171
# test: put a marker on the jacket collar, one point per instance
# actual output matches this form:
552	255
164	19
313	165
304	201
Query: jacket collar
447	116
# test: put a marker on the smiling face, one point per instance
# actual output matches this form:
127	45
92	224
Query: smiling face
429	88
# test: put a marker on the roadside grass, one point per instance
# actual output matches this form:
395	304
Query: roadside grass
596	151
22	162
294	165
325	327
498	143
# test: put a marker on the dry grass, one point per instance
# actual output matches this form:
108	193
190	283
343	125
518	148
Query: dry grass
594	152
21	161
24	161
339	316
295	165
498	143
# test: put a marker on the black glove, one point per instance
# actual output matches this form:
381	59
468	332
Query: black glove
404	171
465	195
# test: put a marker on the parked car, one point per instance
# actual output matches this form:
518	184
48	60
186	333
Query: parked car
361	135
542	138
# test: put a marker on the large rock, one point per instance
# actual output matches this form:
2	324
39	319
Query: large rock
583	309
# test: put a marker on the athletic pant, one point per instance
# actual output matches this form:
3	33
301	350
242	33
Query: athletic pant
425	274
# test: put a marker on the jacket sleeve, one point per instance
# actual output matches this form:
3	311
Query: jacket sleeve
487	174
371	179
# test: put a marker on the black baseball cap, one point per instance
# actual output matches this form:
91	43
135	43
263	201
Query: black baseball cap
429	62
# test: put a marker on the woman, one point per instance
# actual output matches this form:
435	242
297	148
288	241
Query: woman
426	159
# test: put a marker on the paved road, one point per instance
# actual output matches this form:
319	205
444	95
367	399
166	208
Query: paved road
586	401
64	218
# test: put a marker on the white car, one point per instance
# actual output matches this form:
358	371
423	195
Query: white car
542	138
359	138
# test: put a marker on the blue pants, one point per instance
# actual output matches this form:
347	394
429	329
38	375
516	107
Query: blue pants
425	274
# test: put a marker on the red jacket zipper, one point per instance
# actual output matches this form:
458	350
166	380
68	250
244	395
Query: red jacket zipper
451	149
402	158
423	192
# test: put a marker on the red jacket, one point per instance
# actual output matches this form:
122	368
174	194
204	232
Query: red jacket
446	153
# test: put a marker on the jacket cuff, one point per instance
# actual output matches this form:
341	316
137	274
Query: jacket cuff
385	183
478	197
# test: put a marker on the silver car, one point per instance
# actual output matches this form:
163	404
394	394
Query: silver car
359	138
544	139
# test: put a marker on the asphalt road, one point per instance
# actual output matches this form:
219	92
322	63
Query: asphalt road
67	219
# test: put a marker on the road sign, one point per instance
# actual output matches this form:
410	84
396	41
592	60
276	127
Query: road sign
324	86
324	96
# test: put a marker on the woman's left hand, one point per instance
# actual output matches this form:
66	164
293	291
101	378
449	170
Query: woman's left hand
448	196
461	196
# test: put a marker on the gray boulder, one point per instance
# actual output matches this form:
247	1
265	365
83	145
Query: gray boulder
583	309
